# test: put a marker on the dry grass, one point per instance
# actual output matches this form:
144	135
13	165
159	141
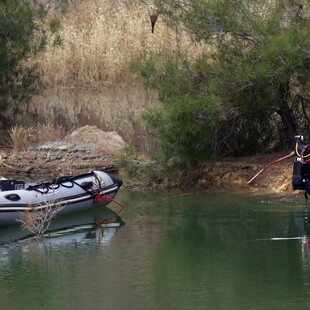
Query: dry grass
101	37
22	138
19	138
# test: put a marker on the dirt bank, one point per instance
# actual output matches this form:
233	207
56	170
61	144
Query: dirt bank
239	170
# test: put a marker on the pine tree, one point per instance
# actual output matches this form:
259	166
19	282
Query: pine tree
251	93
21	36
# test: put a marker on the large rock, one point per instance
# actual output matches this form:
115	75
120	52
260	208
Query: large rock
92	135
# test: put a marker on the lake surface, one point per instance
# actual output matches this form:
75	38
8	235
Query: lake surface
207	250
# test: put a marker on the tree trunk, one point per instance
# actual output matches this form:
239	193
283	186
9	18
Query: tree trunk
285	112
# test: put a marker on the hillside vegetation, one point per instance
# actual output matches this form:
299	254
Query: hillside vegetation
214	79
249	95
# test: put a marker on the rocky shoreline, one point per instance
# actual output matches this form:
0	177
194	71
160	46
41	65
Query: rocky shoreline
88	149
85	149
49	160
64	159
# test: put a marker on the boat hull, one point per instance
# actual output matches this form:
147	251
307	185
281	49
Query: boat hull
68	196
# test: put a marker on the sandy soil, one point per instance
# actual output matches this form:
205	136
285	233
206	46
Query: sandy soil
238	171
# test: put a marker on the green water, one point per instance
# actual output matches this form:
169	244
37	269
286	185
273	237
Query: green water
201	251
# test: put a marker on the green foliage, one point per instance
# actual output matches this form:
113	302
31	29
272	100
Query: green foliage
126	161
134	166
20	38
184	124
54	24
184	129
253	90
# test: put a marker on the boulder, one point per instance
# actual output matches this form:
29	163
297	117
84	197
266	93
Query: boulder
92	135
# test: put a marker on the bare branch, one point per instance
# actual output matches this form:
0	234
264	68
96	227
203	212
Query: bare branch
38	219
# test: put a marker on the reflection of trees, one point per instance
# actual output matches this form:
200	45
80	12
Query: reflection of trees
209	256
301	224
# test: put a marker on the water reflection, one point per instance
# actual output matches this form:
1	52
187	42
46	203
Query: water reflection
302	227
208	258
74	228
194	252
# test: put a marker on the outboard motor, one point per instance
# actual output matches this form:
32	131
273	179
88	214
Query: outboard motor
301	171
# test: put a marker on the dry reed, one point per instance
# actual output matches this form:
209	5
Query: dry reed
19	138
22	138
101	37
